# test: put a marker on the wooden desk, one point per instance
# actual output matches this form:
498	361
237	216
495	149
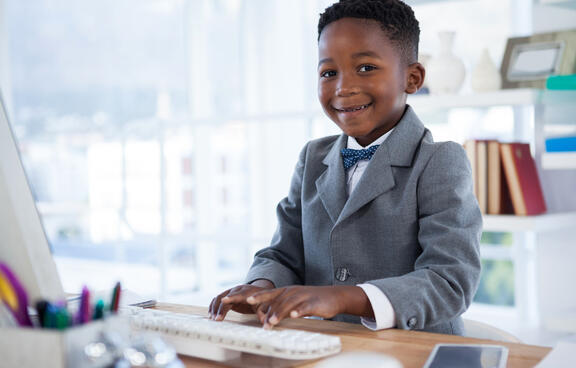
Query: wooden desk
409	347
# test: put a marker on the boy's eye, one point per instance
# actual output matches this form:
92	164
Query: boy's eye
366	68
328	74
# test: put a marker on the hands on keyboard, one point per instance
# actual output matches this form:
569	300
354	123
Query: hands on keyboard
201	337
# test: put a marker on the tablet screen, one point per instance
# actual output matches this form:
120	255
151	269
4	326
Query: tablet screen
470	356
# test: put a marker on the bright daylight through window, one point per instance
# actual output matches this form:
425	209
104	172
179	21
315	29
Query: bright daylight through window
159	135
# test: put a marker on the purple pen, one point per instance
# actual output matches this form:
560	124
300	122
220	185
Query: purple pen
13	295
84	313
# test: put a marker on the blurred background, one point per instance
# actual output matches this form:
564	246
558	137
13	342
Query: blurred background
159	135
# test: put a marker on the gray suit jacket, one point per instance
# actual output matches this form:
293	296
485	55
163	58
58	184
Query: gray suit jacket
411	227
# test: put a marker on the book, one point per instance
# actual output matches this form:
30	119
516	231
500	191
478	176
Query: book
522	179
561	82
506	207
482	175
477	152
470	148
499	202
494	178
561	144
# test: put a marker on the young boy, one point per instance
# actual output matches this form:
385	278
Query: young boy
380	224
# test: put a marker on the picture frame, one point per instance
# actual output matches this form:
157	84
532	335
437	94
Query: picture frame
529	61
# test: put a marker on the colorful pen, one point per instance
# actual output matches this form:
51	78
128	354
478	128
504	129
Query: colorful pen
84	315
115	297
13	295
98	310
41	306
62	318
50	316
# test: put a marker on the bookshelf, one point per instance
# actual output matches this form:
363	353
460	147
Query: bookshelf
559	160
505	97
540	223
570	4
538	114
543	249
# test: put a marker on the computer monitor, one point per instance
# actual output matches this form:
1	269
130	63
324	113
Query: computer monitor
23	243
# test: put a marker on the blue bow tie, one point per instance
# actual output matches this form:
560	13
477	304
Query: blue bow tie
351	156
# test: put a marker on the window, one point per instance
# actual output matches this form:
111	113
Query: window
159	135
150	132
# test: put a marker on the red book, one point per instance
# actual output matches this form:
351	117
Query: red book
522	179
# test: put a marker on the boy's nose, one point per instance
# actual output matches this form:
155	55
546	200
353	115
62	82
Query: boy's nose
346	87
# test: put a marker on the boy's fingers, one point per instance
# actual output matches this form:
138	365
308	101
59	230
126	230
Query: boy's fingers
302	310
222	311
266	320
216	303
261	312
263	296
214	306
238	296
210	307
281	308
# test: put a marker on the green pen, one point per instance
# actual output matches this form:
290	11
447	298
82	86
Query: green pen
98	310
62	319
50	316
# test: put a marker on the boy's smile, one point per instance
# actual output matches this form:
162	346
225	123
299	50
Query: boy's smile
363	79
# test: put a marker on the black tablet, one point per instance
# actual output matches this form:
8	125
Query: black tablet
467	355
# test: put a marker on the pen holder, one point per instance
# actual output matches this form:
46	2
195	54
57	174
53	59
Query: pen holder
76	347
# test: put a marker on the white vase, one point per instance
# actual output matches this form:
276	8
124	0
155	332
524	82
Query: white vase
485	76
445	72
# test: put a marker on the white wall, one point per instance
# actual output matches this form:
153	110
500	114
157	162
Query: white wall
550	18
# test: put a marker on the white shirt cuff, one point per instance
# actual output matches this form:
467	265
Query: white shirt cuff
384	315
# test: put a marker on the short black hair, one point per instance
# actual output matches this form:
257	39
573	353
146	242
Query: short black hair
396	19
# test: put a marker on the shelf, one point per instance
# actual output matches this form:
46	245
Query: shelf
562	323
559	160
570	4
504	97
540	223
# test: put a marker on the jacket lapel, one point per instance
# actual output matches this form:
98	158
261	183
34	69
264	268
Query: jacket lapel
377	179
331	185
398	149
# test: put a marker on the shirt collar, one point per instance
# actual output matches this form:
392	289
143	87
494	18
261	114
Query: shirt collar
353	144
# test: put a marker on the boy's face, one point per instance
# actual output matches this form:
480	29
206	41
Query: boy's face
363	80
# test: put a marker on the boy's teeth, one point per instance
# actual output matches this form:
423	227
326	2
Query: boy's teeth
356	109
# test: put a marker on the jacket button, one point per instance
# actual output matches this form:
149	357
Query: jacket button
412	322
342	274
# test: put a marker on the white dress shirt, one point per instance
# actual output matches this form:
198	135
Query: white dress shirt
384	315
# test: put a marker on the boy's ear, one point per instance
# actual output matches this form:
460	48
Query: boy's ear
415	74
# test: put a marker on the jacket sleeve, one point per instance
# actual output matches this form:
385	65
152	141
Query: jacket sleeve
283	261
446	273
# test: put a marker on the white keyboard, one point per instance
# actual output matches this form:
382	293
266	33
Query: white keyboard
201	337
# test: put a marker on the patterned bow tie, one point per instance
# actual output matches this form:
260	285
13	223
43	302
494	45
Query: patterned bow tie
351	156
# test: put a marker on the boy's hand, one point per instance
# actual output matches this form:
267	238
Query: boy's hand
235	299
300	301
